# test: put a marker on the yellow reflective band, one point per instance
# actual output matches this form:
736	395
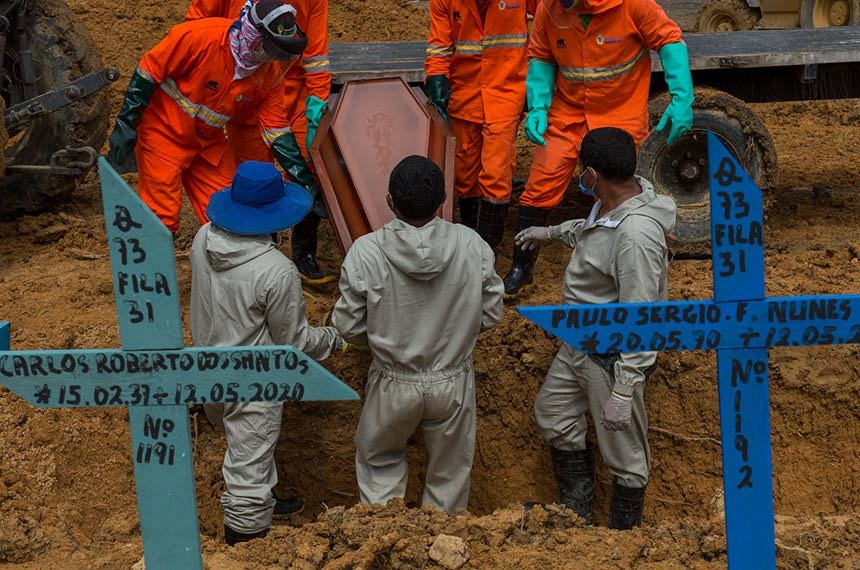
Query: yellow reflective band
584	74
202	112
506	41
271	135
144	73
469	48
439	51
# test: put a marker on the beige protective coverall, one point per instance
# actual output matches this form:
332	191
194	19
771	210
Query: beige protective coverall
245	292
619	258
418	297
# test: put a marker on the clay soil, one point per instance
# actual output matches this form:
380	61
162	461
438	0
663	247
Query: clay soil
66	484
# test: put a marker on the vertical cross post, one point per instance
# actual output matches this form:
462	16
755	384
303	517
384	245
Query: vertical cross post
147	303
740	324
737	251
156	377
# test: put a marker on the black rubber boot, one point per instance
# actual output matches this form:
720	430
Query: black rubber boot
304	237
520	274
469	212
625	506
288	506
517	186
574	474
233	537
491	222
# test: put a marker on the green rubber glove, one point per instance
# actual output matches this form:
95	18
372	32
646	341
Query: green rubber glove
288	154
540	82
676	70
124	135
439	92
315	109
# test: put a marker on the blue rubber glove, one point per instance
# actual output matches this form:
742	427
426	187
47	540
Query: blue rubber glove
676	70
315	108
540	82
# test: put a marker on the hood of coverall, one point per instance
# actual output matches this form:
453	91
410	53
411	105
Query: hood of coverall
422	253
226	250
658	207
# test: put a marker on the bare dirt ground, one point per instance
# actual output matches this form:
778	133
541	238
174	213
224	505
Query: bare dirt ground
66	484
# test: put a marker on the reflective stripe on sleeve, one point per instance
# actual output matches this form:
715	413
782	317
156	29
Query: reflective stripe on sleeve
271	135
439	51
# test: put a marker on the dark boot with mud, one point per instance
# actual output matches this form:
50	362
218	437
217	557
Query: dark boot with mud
491	222
234	537
574	474
625	506
304	238
520	275
469	212
287	507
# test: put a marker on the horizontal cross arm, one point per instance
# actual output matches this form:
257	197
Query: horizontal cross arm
81	378
703	325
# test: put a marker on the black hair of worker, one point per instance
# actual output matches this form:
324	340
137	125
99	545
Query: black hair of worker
417	187
611	152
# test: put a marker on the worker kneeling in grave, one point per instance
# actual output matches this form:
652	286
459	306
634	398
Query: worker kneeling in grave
192	84
619	256
306	85
245	292
476	70
418	291
590	67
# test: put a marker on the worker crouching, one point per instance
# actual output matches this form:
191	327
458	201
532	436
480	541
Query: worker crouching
418	292
188	88
306	85
244	292
619	256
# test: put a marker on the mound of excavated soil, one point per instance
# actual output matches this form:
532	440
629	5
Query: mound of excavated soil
66	483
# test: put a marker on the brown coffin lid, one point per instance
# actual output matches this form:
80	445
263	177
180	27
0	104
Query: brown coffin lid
371	126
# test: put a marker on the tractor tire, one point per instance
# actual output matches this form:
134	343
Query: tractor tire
681	171
65	52
829	13
726	16
4	135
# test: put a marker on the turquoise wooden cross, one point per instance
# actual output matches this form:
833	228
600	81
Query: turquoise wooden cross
155	376
740	323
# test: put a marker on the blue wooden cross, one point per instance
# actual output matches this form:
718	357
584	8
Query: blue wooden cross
155	376
740	323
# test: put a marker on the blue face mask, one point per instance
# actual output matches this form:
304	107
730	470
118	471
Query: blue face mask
585	189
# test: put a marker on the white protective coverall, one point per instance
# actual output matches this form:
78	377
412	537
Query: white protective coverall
620	258
418	297
244	292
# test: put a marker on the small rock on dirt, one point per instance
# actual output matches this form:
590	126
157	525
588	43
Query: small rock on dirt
449	551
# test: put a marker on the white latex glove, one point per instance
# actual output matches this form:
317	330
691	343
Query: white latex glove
530	238
617	412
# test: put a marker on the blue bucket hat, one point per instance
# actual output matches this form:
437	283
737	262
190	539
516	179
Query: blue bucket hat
259	201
